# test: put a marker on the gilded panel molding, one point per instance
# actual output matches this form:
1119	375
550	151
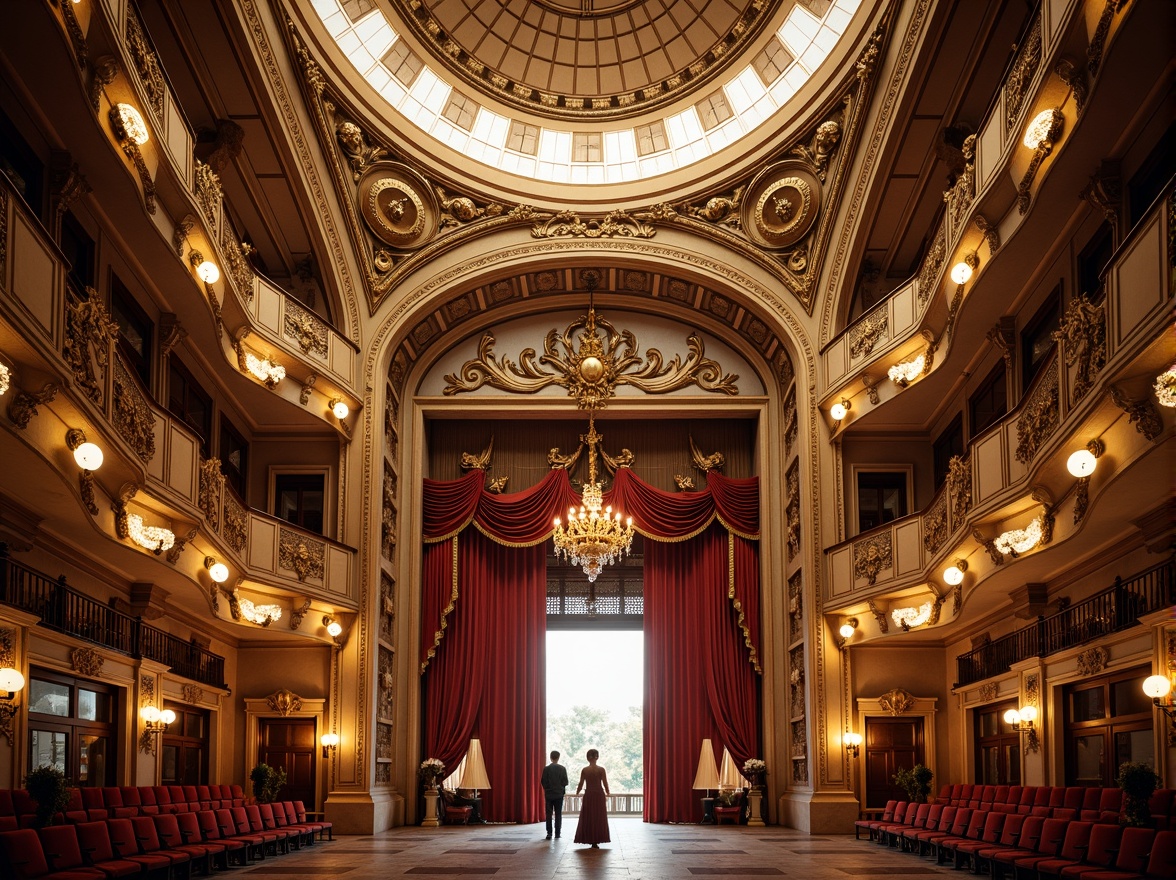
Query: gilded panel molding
871	556
235	525
1092	661
304	327
1083	335
867	332
959	486
132	414
86	661
897	701
1039	417
146	63
88	333
284	701
1021	73
304	556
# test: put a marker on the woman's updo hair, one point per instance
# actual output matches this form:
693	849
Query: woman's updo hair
593	754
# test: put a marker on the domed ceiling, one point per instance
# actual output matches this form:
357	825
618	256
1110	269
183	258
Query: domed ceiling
587	57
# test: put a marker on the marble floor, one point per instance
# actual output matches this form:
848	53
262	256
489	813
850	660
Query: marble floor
638	852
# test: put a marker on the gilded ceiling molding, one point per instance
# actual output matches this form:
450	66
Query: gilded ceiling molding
855	199
614	224
590	367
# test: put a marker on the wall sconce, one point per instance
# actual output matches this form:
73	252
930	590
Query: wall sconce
262	615
1040	137
1081	464
847	630
330	742
962	271
155	722
853	743
5	379
263	369
1023	540
89	458
839	410
1159	688
1022	720
11	683
218	571
1165	386
953	575
339	408
206	270
153	538
911	617
131	132
908	371
334	628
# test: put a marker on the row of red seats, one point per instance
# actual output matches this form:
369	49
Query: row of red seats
1028	846
1088	804
17	809
164	845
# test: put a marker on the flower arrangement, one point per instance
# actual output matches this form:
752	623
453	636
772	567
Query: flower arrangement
754	767
1139	782
430	771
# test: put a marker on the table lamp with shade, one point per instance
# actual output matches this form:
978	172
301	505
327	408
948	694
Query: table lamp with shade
706	779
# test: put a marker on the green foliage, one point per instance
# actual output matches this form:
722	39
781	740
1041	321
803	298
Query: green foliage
619	742
267	782
728	798
916	782
1138	782
51	790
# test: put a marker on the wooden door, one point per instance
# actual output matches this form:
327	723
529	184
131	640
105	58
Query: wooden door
891	743
289	744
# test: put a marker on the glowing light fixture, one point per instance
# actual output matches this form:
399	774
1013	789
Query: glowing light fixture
264	370
330	742
218	571
961	272
848	628
839	410
906	372
1022	720
853	743
11	681
1155	686
1165	386
334	628
953	575
208	272
128	124
339	408
153	538
87	455
911	617
1082	463
1045	127
1017	541
262	615
5	379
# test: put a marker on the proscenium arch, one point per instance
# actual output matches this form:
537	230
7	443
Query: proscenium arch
744	285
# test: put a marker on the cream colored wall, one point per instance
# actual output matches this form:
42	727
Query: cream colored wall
289	453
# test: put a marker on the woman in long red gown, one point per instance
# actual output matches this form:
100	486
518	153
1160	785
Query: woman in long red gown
593	825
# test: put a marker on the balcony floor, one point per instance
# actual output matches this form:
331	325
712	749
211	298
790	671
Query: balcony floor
638	851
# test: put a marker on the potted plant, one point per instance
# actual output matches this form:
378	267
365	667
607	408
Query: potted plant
51	790
916	782
755	770
431	771
1139	782
267	782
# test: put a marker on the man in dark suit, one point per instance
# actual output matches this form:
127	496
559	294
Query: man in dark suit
555	782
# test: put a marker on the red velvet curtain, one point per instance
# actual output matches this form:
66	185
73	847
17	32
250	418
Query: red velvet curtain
484	618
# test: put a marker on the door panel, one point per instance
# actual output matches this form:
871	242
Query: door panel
289	744
890	744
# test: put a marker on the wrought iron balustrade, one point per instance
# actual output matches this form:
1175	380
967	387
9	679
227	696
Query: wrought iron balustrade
1118	607
63	609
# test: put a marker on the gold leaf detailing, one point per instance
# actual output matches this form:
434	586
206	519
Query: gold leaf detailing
867	332
301	555
236	253
86	661
989	547
935	528
989	231
959	486
1092	661
212	486
1021	74
959	197
77	37
719	209
234	530
191	693
284	702
685	484
146	63
897	701
987	692
1083	335
614	224
208	192
132	414
297	614
305	328
1075	77
932	264
563	462
1040	416
462	209
591	367
355	147
1140	413
880	616
613	462
706	463
481	461
871	556
88	333
24	404
824	142
1098	41
497	485
1049	137
792	521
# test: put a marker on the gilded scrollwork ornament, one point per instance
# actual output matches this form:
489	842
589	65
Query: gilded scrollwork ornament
284	702
1039	418
24	404
86	661
718	209
614	224
871	556
132	414
298	613
1021	74
305	328
88	334
1140	413
356	149
868	332
591	366
932	264
684	484
304	556
824	142
208	192
459	210
880	616
235	524
706	463
497	485
479	461
897	701
959	486
173	555
146	63
1083	335
212	487
1075	77
102	74
935	527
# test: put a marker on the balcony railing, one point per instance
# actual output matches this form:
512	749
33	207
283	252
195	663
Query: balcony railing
1118	607
63	609
620	804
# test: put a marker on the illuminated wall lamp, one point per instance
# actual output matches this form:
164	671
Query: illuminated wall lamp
953	575
1040	137
11	683
1017	541
206	270
911	617
1159	688
155	722
89	458
5	379
334	628
1165	386
1081	464
339	408
263	369
330	742
131	132
961	272
1022	720
839	410
218	571
908	371
847	630
853	743
153	538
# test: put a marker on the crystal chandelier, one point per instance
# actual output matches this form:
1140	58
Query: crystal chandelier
592	538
